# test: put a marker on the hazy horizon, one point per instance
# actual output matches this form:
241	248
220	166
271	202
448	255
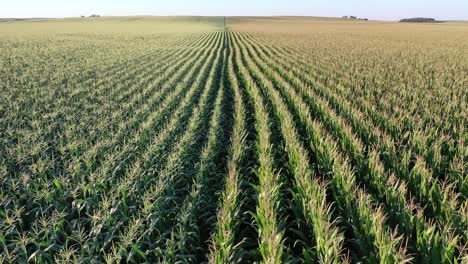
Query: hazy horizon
388	10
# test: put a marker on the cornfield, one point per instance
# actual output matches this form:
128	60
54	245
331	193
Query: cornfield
233	140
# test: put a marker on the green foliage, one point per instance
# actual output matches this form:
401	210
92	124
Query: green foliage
232	140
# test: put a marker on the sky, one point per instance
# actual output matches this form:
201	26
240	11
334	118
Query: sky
372	9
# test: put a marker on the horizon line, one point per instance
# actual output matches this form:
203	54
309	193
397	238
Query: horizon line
169	15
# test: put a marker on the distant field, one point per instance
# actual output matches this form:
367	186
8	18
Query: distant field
233	140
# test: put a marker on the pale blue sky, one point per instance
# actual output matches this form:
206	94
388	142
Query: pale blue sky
372	9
